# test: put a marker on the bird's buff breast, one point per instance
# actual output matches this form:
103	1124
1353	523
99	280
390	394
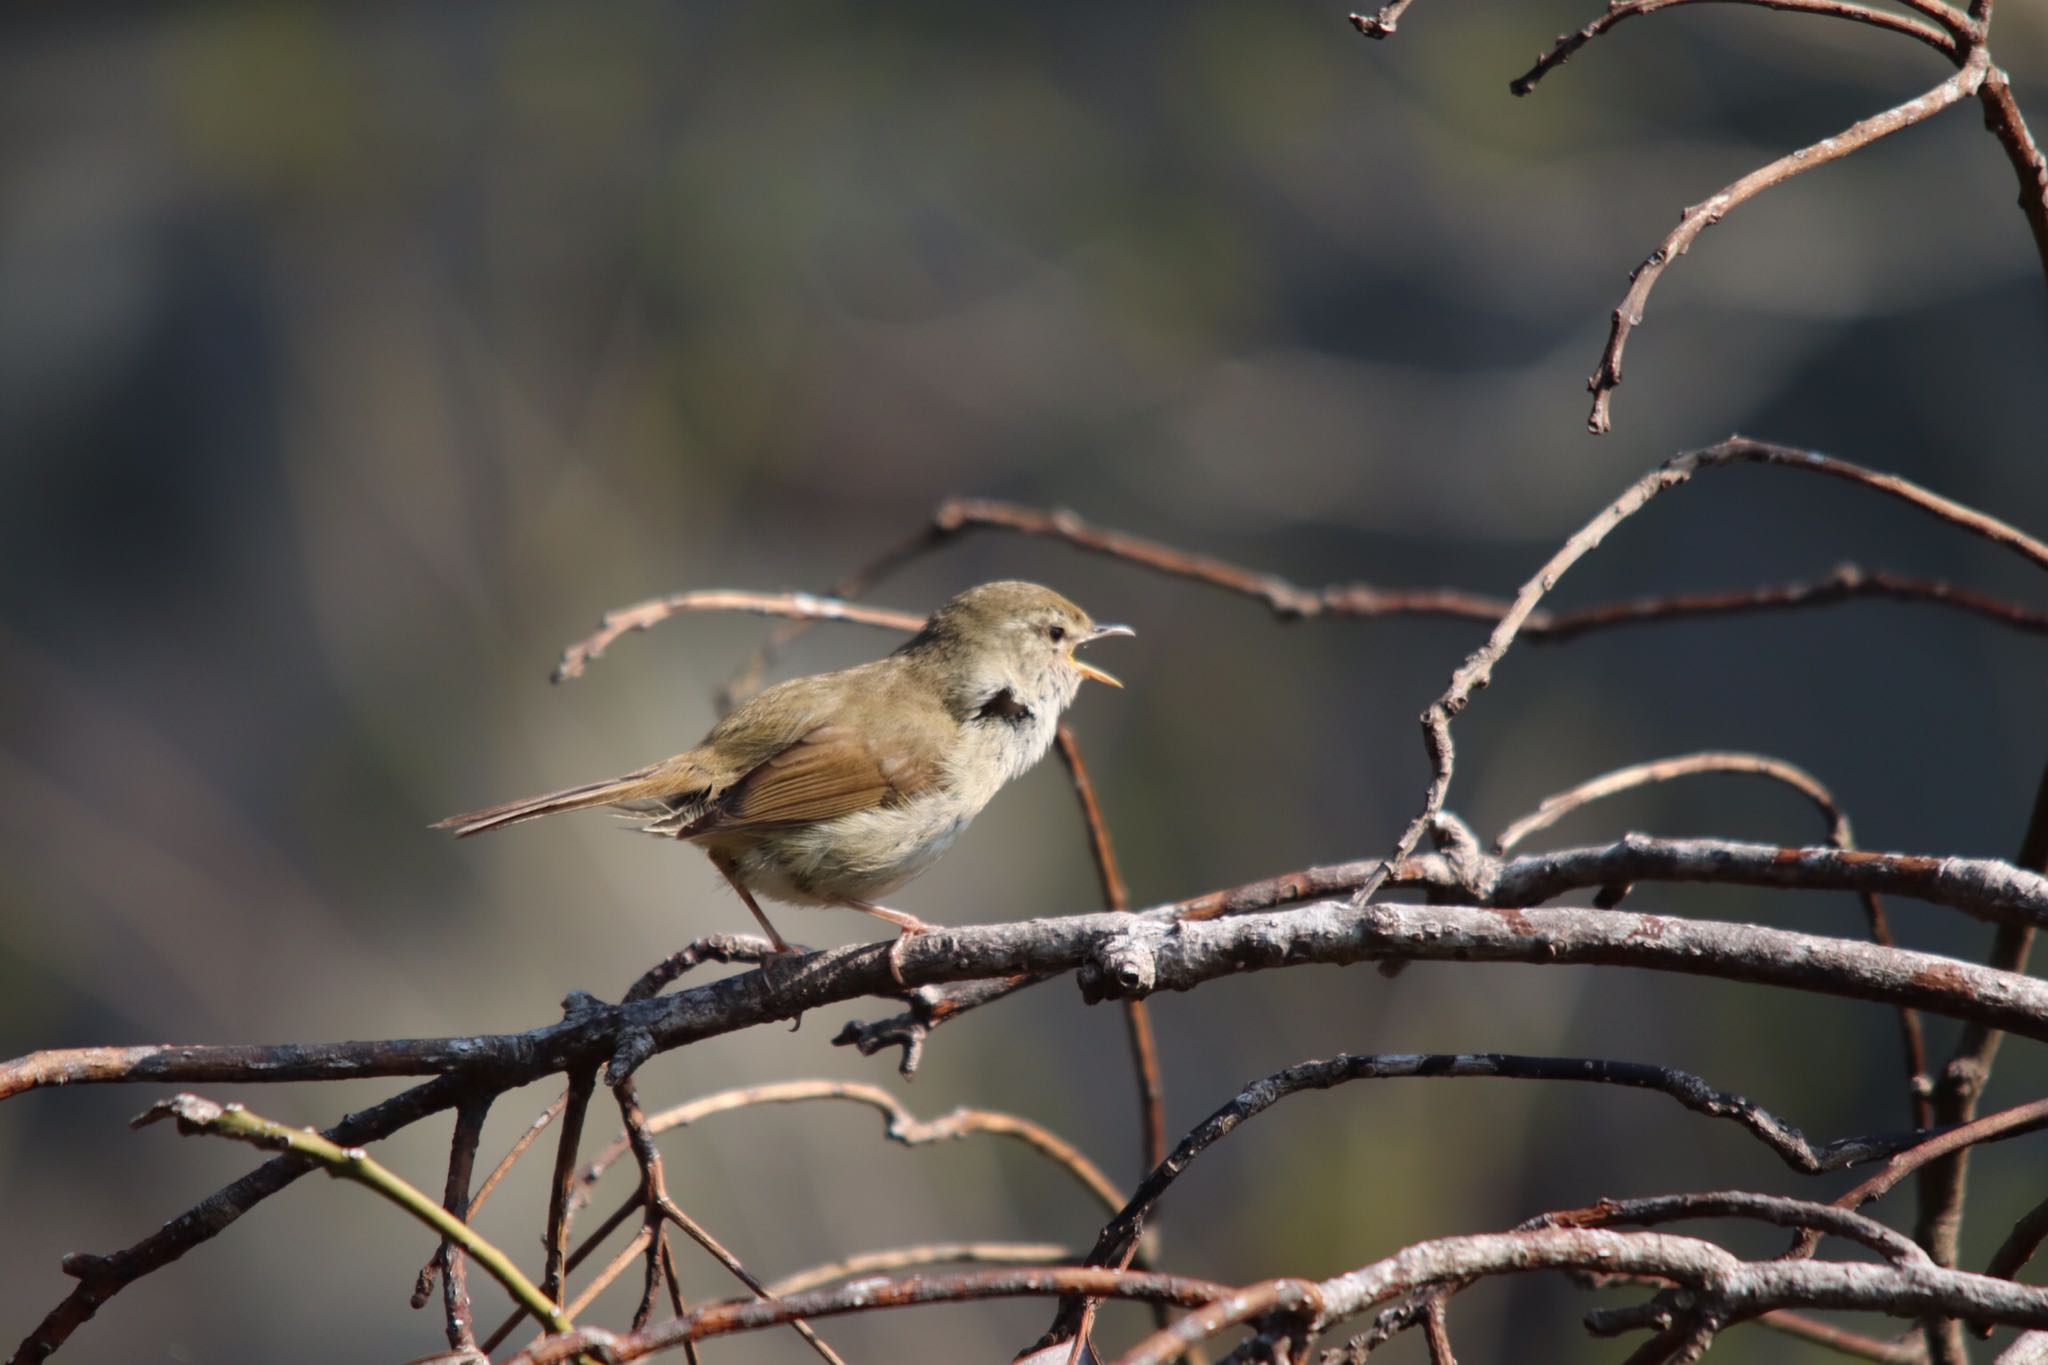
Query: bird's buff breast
863	856
869	854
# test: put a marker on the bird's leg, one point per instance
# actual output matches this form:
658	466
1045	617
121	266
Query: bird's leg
726	869
908	927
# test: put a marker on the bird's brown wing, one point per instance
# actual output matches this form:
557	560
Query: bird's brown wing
832	770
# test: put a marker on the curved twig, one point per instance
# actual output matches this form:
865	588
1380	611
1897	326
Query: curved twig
917	1257
900	1126
1823	1219
1942	40
643	615
1554	808
1711	210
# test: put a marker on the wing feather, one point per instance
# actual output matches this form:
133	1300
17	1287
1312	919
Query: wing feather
830	771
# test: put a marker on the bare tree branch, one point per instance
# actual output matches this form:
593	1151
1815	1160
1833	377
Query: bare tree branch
1982	887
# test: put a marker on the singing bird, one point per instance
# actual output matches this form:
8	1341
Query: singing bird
838	788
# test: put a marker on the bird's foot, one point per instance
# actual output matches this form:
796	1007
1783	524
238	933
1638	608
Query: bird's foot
909	931
907	926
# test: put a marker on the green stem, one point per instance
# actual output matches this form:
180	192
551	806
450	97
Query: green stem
198	1115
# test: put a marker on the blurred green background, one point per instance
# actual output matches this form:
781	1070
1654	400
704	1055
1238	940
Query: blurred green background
354	360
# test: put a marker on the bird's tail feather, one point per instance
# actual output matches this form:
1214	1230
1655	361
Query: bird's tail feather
634	786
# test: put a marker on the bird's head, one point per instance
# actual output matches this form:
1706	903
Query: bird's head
1011	645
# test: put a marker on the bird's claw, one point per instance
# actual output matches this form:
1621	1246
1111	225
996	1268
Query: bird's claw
909	932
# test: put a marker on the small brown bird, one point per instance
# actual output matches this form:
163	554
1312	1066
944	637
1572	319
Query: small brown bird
839	788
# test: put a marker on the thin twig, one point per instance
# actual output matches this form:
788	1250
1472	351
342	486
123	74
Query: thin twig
591	1242
1144	1050
696	1232
2021	1243
634	1250
423	1287
581	1083
1619	11
1137	1014
658	1206
1908	1350
643	615
1436	1330
930	1006
919	1256
875	1292
2003	117
1846	583
653	1194
469	1125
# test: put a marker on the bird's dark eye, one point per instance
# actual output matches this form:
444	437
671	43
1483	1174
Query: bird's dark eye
1058	633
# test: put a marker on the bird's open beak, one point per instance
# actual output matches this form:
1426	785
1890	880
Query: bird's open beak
1090	670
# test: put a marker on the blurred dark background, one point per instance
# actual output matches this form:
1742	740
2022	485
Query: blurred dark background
351	362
